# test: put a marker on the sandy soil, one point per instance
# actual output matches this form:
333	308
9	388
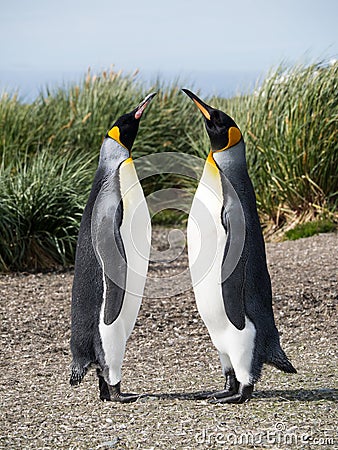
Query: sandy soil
170	351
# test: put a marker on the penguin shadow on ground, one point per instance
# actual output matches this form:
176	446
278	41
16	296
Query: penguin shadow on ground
293	395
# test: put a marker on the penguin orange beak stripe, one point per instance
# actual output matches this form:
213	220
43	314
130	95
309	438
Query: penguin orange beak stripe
200	105
142	106
202	109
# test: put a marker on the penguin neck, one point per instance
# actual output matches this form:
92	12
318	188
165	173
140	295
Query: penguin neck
233	171
230	160
232	165
112	155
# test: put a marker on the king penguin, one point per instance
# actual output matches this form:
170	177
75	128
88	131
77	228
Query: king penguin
228	266
111	262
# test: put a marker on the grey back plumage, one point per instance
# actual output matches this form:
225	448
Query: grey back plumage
99	249
247	290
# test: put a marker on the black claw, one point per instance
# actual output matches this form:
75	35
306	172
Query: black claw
126	398
244	395
205	395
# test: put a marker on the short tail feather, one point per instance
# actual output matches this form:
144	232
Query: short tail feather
280	360
77	374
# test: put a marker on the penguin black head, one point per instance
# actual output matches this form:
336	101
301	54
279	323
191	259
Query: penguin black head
125	129
221	128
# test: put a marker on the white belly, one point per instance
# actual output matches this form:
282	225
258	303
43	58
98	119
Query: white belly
206	244
136	236
135	230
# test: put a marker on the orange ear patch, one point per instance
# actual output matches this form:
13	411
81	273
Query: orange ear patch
234	137
114	133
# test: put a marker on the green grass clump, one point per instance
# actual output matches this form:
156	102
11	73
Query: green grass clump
49	150
292	141
40	208
71	119
310	229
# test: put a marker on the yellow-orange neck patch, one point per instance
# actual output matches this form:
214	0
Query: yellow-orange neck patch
211	166
114	133
234	135
127	161
210	159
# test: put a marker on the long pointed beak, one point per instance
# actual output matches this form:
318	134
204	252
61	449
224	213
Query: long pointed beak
142	106
203	107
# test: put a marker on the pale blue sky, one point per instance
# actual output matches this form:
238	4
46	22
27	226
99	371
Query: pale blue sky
221	45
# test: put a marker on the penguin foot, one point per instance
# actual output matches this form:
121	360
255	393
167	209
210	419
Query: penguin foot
206	395
110	393
103	386
243	395
117	396
231	382
231	388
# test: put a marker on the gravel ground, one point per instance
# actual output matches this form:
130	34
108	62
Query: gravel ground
170	351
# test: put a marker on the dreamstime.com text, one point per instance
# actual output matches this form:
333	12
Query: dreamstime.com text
278	436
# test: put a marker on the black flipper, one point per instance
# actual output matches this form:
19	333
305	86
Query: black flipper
109	249
233	285
115	285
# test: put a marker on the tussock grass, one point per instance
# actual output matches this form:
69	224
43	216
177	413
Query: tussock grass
41	207
293	143
49	149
